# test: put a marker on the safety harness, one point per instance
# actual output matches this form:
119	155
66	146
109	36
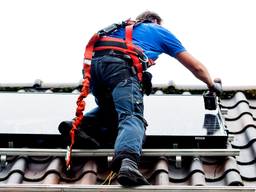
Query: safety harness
100	42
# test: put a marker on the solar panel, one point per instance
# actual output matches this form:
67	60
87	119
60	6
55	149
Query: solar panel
174	120
182	121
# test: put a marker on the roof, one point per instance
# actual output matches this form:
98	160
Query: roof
26	173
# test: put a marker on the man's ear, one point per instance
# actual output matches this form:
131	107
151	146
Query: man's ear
155	21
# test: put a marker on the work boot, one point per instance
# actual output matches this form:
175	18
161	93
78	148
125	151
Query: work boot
82	140
129	174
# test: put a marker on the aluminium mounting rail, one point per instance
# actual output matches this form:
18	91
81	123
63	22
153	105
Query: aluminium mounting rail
110	152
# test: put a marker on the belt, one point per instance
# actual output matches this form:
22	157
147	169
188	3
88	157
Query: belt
118	54
113	53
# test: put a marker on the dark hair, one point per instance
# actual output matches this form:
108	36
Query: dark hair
149	15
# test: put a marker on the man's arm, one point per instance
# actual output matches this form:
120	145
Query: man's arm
196	67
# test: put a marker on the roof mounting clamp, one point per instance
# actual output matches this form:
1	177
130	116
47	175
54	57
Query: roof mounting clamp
3	162
224	111
230	138
178	158
178	161
10	144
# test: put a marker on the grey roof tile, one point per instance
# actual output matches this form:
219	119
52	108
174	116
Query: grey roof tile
42	171
245	138
239	125
248	172
15	173
247	155
241	110
237	98
162	178
198	178
91	169
223	168
233	175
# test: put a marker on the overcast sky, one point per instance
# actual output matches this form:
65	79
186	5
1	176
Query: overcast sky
45	39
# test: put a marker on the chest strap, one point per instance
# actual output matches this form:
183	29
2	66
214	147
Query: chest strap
139	59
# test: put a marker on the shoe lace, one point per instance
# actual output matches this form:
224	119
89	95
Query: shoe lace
112	175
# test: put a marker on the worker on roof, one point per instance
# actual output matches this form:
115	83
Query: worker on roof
119	80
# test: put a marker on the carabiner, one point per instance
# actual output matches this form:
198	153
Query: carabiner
144	59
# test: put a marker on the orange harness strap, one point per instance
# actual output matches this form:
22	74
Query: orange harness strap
136	61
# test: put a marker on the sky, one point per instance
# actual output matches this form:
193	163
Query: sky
45	39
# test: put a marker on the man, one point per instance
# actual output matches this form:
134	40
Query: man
118	87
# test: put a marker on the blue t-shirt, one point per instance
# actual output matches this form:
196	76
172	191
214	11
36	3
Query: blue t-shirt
153	39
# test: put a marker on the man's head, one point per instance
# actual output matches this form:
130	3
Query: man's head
151	16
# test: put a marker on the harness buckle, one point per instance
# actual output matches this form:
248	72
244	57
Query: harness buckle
87	61
133	70
144	60
109	29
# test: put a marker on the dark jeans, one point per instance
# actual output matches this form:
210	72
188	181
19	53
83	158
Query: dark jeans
119	96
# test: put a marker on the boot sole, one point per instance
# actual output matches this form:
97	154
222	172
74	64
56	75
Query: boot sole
130	180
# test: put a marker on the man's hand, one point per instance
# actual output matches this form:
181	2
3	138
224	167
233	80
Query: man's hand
216	87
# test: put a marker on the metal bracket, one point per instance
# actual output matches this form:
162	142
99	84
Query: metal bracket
3	161
230	138
224	111
178	158
178	161
10	144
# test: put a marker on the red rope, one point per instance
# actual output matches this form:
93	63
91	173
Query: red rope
84	92
79	111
